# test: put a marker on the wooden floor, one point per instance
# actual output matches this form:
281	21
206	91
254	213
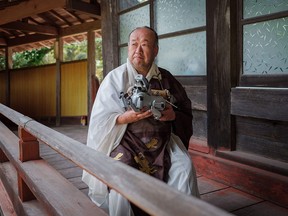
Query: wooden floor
215	193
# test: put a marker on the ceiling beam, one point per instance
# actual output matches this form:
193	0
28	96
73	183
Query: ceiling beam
93	9
77	29
3	42
84	27
25	27
28	8
28	39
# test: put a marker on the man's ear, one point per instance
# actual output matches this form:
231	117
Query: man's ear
156	49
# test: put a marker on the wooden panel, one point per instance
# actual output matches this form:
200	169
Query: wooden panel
263	209
74	89
256	161
230	199
33	91
206	185
2	87
266	103
264	184
198	96
265	138
200	124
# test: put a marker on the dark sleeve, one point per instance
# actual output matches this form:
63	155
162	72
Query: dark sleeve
182	125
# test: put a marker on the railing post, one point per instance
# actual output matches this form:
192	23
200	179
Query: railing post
3	157
28	150
28	146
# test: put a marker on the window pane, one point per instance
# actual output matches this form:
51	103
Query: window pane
123	55
176	15
124	4
184	55
131	20
254	8
265	47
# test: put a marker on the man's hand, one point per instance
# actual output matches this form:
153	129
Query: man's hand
131	116
168	113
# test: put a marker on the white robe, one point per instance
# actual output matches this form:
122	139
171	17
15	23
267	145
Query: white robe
104	135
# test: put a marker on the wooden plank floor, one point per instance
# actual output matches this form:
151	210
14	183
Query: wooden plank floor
215	193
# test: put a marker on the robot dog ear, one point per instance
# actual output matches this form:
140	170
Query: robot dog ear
130	90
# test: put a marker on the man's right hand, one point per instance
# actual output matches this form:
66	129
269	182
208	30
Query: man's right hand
131	116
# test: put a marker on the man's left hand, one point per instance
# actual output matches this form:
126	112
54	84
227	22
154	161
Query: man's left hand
168	113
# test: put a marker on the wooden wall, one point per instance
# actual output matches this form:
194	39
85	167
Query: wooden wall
74	89
33	90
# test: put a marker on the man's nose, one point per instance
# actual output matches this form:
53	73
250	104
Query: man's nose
139	48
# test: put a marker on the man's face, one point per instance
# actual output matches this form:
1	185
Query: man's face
142	49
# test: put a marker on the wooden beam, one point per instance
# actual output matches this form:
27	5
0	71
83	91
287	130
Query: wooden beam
29	39
93	10
263	103
26	27
261	183
29	8
84	27
3	42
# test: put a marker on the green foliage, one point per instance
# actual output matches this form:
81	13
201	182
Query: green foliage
2	62
71	52
75	51
31	58
99	58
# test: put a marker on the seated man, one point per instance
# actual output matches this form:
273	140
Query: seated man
157	147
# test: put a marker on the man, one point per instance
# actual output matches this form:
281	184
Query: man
155	146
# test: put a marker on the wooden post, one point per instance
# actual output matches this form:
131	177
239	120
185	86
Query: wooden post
109	35
59	58
3	157
24	191
28	146
28	150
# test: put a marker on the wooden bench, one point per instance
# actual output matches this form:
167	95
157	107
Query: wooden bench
52	190
37	179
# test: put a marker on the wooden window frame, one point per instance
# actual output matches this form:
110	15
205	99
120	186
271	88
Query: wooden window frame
271	80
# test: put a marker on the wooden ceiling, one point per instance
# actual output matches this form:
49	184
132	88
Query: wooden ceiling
28	24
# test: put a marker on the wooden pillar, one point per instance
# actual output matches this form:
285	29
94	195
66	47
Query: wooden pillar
220	70
8	66
91	71
58	51
109	35
3	157
28	150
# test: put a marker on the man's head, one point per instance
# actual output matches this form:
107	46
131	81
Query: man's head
142	48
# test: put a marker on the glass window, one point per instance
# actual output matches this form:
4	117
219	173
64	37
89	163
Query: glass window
123	54
124	4
176	15
254	8
183	55
265	47
131	20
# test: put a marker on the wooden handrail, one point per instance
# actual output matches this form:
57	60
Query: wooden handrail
148	193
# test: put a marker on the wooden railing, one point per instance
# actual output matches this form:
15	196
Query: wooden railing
55	195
